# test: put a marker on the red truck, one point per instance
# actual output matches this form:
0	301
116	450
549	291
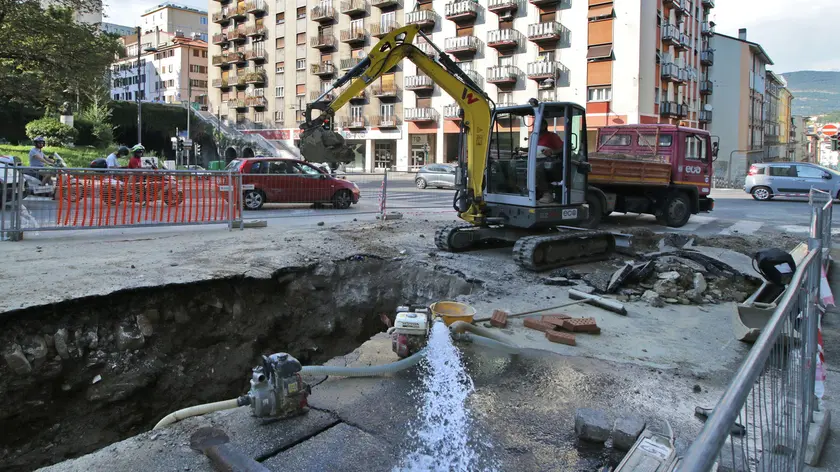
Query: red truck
662	170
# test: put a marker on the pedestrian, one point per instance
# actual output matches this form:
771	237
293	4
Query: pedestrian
112	161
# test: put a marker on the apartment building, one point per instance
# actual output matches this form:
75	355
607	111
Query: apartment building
799	138
738	101
269	59
174	18
113	28
787	134
774	142
169	73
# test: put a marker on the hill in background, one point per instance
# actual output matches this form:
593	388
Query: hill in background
815	92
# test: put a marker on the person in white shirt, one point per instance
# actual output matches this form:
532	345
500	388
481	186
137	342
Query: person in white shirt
111	160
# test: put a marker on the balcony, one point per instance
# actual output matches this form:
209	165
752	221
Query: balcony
257	32
670	35
680	6
328	97
324	41
361	96
350	62
384	3
220	39
323	69
426	48
542	2
421	18
237	104
541	70
705	116
239	13
707	28
548	31
378	30
668	109
707	57
682	111
502	75
501	39
354	7
219	60
222	17
256	7
451	112
474	76
322	14
352	122
238	35
237	81
353	36
708	3
685	42
420	114
256	102
462	45
256	77
256	55
235	57
706	87
502	6
419	82
385	91
221	83
461	10
387	121
670	72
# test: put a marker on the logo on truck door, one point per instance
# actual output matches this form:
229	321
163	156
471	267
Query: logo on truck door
693	170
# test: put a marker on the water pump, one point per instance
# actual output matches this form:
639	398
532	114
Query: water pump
277	389
411	330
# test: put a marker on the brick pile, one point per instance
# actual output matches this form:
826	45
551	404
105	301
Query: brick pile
559	328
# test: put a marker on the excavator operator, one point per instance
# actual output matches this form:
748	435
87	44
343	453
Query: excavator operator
549	147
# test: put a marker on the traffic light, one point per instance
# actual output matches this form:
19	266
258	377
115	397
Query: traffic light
834	145
180	144
197	149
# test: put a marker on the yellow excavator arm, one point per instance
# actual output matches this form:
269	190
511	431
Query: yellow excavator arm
476	121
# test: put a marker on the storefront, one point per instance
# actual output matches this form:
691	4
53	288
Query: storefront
422	152
384	155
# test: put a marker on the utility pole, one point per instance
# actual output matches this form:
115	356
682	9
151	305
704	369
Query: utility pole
139	102
189	103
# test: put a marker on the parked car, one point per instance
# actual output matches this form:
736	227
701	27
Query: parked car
435	175
280	180
8	177
790	179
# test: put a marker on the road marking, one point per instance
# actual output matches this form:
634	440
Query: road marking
803	229
696	222
743	227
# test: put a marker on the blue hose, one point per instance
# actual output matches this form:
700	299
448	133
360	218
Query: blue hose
366	371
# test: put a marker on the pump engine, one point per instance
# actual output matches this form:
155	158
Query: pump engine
411	330
277	389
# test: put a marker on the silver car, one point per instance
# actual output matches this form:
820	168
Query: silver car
790	179
435	175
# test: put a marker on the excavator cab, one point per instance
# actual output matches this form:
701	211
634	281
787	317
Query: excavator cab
537	168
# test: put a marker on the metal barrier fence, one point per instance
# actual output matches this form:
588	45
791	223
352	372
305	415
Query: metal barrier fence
46	199
761	422
432	194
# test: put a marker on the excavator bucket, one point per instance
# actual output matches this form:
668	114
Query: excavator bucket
322	145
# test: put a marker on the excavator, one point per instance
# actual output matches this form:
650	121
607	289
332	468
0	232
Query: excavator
510	190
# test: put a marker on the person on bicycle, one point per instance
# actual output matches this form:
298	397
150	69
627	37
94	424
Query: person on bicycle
111	160
136	161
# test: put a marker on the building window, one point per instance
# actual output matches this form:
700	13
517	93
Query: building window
195	52
279	91
301	13
386	109
280	67
280	18
301	38
505	98
203	20
357	112
600	94
300	64
280	43
204	54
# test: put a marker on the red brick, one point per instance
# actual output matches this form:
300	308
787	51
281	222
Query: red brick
561	337
582	325
538	325
499	318
556	320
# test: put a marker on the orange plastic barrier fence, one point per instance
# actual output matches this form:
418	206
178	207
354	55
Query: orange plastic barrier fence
93	199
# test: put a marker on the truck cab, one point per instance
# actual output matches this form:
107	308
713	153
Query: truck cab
663	170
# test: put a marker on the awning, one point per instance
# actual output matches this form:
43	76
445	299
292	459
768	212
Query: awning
600	52
600	11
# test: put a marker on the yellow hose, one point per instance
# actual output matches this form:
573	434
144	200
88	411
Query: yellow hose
196	410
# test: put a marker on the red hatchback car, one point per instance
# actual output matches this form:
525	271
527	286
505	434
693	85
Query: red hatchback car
279	180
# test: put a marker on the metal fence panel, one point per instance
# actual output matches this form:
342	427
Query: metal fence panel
405	196
761	422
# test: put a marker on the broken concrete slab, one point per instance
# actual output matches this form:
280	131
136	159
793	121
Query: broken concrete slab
592	425
342	447
619	277
625	432
653	298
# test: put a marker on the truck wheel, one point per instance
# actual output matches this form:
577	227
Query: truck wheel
596	211
677	210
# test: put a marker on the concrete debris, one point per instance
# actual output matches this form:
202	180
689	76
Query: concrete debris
558	281
640	272
16	360
619	277
666	288
699	283
625	432
592	425
653	299
671	276
36	350
672	301
129	338
668	262
599	280
96	379
145	325
61	346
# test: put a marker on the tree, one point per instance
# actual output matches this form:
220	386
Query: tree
44	53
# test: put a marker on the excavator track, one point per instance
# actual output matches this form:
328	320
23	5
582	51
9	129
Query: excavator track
453	238
539	253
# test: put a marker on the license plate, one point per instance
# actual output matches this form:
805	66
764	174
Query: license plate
569	214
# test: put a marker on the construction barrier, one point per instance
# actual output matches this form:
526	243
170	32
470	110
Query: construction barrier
404	195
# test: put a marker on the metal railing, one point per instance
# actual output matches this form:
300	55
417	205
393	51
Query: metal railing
461	43
421	17
420	114
497	74
508	37
761	421
547	30
416	82
543	69
460	8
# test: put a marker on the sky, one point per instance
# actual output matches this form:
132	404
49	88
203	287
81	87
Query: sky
791	31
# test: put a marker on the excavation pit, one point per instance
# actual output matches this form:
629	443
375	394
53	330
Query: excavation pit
84	373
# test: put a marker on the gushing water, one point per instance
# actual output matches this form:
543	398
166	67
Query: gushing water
441	438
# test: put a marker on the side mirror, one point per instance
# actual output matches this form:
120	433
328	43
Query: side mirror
827	176
323	176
